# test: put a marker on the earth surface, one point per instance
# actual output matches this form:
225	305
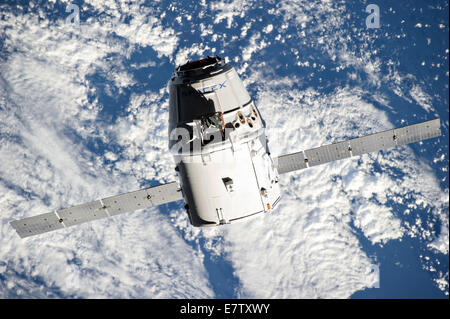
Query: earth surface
83	115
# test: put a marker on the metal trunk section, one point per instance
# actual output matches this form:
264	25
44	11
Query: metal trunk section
222	188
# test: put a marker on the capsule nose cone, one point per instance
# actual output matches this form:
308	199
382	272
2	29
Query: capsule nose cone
198	65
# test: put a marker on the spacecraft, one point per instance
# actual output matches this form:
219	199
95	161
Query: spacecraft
225	169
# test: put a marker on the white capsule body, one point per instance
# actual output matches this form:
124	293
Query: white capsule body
217	138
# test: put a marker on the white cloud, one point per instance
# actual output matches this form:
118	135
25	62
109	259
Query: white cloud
190	53
297	252
147	31
256	44
227	11
268	28
421	98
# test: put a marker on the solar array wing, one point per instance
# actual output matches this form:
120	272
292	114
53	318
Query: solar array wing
37	224
291	162
110	206
417	132
372	143
143	198
357	146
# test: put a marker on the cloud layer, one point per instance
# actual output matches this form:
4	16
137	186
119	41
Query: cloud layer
83	115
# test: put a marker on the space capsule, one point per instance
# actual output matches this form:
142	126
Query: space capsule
217	137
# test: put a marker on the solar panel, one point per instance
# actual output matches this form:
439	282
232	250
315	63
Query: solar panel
357	146
37	224
327	153
82	213
143	198
316	156
340	150
417	132
114	205
291	162
372	143
127	202
164	194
